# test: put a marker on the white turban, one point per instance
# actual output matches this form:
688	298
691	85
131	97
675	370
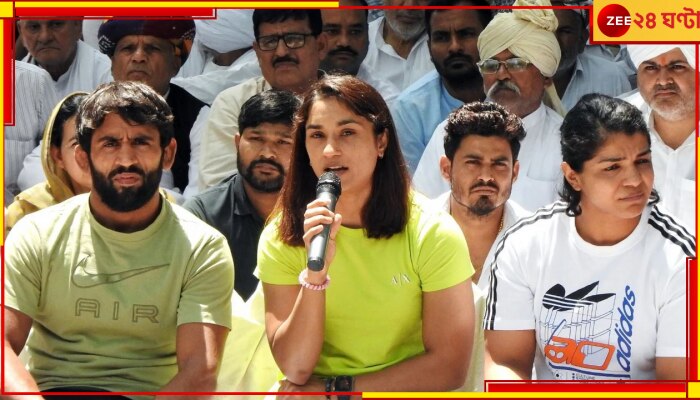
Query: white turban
231	30
529	34
640	53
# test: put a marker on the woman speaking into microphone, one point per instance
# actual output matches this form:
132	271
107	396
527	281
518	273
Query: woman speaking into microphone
398	312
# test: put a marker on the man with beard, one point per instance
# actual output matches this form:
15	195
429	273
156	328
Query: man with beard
123	291
398	45
452	36
289	46
481	145
151	51
519	55
239	206
348	40
579	72
666	81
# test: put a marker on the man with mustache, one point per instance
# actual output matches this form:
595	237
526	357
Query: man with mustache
55	46
398	45
153	52
452	36
519	55
348	40
481	144
239	206
289	47
123	291
666	81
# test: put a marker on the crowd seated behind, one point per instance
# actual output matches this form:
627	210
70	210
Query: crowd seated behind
457	137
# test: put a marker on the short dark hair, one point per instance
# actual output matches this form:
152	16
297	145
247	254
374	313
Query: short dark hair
134	101
485	15
386	210
271	106
67	108
483	119
271	16
586	127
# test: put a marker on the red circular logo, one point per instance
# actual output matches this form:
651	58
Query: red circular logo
614	20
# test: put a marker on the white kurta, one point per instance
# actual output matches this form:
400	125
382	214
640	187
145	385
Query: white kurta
89	69
674	170
35	98
386	65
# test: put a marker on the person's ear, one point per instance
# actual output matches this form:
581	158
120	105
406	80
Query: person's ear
169	154
446	168
516	171
56	156
571	176
382	143
81	158
237	140
322	46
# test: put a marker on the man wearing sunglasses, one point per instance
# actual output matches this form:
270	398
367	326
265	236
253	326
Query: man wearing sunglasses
518	59
289	47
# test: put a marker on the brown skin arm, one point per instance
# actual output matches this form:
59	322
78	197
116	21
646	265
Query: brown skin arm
17	378
671	368
199	348
448	327
509	354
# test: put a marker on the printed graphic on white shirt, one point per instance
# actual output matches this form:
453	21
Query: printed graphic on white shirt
587	334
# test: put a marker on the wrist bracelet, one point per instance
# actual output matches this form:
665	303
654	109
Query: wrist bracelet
304	283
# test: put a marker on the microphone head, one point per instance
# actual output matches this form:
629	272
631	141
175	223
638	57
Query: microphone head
329	182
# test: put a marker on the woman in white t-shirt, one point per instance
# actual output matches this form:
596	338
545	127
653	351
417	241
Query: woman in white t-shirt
593	287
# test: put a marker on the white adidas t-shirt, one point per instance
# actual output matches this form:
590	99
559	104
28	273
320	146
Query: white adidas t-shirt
599	312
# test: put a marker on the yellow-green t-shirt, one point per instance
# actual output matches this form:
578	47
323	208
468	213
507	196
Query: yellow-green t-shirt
374	301
105	304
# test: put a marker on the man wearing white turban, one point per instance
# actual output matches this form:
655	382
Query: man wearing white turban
519	54
221	56
666	81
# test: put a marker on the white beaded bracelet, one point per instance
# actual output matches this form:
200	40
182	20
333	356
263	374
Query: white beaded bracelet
304	283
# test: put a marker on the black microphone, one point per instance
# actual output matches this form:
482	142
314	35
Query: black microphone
327	188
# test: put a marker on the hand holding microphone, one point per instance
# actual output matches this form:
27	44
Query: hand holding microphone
321	223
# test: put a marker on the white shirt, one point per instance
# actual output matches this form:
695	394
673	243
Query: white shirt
385	65
595	75
35	98
540	174
206	86
388	91
674	170
89	69
512	213
598	312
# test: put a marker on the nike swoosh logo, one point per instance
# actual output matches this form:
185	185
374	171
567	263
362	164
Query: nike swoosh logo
84	279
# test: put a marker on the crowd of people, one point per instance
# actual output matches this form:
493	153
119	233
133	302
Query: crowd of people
515	202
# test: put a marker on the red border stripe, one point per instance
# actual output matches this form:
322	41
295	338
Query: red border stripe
9	72
692	319
114	12
617	387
